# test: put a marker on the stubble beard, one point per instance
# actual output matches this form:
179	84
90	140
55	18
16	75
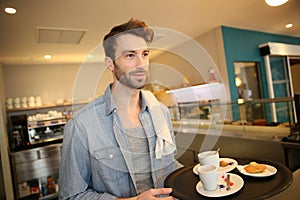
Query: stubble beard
128	80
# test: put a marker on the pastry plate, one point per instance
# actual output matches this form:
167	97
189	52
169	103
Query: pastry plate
236	183
231	165
269	171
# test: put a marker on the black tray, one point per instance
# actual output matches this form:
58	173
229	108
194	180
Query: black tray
183	181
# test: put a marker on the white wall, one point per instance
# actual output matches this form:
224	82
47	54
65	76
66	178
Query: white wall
213	49
295	70
4	143
53	82
173	70
212	42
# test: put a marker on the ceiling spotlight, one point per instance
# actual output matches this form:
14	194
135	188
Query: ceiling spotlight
10	10
47	57
288	25
238	81
276	2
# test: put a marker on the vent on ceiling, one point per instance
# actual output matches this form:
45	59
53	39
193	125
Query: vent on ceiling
59	35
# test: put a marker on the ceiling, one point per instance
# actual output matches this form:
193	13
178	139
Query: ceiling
20	44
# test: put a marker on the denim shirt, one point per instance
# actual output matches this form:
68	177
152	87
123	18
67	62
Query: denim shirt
95	161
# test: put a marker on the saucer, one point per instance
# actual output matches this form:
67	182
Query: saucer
269	171
232	164
236	184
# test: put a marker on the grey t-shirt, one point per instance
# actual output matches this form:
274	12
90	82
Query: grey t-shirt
139	150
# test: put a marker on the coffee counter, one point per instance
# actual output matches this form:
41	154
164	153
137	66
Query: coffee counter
192	138
201	127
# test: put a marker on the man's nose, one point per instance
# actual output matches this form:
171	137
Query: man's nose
142	61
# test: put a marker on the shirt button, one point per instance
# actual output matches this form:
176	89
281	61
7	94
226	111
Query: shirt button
111	155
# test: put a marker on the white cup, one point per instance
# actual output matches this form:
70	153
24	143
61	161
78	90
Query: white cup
209	158
24	100
30	99
17	100
9	101
208	175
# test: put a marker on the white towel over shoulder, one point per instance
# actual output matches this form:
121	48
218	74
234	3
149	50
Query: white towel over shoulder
164	143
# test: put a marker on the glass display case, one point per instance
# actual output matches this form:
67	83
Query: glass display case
248	118
36	171
35	138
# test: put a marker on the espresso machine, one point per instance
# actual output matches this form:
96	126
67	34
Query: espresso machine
18	136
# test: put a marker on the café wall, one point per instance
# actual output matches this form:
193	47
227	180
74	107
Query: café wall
296	80
5	173
53	82
242	46
212	44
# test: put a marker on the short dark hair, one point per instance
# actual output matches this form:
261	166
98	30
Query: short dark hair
133	26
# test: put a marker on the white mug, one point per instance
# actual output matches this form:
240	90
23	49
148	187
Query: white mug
208	175
209	158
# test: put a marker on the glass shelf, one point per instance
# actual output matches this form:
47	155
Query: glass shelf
248	118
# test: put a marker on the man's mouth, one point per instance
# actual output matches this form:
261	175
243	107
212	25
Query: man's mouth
139	73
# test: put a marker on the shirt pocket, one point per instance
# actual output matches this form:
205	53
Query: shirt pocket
110	164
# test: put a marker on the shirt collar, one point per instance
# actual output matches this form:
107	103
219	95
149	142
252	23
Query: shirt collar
110	106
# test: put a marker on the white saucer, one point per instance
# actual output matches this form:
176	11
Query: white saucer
236	181
269	171
232	164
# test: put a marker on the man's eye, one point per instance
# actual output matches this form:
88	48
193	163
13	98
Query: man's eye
131	55
146	54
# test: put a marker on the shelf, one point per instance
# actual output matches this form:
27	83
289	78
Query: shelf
50	139
47	122
49	196
45	106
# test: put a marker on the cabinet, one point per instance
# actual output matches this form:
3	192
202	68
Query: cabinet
36	171
35	137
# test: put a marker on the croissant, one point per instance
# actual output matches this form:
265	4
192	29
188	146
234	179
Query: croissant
254	167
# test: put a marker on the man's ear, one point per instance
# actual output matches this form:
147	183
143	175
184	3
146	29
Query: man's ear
109	63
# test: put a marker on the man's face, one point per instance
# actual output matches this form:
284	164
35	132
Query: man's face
131	61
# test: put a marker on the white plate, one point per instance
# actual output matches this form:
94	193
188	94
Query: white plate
236	181
269	171
232	164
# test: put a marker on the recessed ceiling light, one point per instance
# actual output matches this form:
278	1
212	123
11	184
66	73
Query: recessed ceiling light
90	56
288	25
276	2
47	57
10	10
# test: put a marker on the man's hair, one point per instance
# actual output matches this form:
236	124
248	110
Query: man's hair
134	27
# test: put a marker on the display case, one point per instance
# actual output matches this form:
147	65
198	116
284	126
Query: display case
36	171
35	138
35	127
46	130
248	118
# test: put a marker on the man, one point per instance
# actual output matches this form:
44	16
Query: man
121	146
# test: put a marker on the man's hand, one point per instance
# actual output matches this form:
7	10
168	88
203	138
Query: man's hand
152	194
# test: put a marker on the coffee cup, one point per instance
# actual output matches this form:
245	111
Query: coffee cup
209	158
208	175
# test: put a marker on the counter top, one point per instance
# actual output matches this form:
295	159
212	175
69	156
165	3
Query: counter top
245	131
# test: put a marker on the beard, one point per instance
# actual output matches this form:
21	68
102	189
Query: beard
129	79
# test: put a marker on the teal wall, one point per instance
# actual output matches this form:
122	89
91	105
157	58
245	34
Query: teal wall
242	45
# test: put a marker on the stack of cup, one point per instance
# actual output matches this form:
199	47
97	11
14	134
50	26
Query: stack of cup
208	170
17	102
9	103
24	102
31	102
38	101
